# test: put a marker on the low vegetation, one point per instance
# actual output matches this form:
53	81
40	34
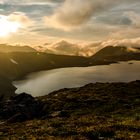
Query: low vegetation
100	111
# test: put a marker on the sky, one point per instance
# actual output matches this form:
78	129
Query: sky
36	22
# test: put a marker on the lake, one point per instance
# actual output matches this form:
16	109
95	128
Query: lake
44	82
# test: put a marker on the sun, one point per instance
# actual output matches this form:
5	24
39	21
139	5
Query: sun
7	26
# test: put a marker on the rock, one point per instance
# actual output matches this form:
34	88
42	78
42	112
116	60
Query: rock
22	98
20	107
1	133
20	117
55	114
64	113
4	130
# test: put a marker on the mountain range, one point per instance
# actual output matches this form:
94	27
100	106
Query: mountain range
5	48
94	111
17	63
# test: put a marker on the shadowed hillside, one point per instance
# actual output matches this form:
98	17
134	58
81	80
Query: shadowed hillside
6	88
118	53
14	65
92	112
18	64
12	48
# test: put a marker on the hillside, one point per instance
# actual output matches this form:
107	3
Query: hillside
15	48
6	88
96	111
16	65
111	54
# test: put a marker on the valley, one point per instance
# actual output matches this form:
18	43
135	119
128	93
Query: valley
16	65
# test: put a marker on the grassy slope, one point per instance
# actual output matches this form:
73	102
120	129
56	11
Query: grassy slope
96	111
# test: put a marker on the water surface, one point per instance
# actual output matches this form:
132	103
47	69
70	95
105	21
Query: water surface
44	82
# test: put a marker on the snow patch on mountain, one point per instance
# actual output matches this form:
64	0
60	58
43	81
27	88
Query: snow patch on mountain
13	61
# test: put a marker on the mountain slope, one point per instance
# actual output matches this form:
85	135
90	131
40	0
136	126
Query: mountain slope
118	53
17	64
15	48
93	112
6	88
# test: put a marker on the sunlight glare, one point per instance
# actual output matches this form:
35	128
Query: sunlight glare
7	26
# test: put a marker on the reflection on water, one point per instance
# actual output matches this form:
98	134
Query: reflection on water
44	82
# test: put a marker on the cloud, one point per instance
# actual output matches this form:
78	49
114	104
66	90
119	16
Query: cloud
23	2
81	49
134	17
74	13
63	47
76	20
135	43
20	18
117	18
67	48
128	31
7	27
120	24
12	23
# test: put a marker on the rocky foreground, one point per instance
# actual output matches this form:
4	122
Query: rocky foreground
108	111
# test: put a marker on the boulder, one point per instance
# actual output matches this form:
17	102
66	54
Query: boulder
20	107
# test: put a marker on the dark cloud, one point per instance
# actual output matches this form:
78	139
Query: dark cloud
28	1
125	21
117	18
31	10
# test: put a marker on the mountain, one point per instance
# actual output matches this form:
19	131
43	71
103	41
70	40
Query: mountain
111	54
93	112
16	65
15	48
116	53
